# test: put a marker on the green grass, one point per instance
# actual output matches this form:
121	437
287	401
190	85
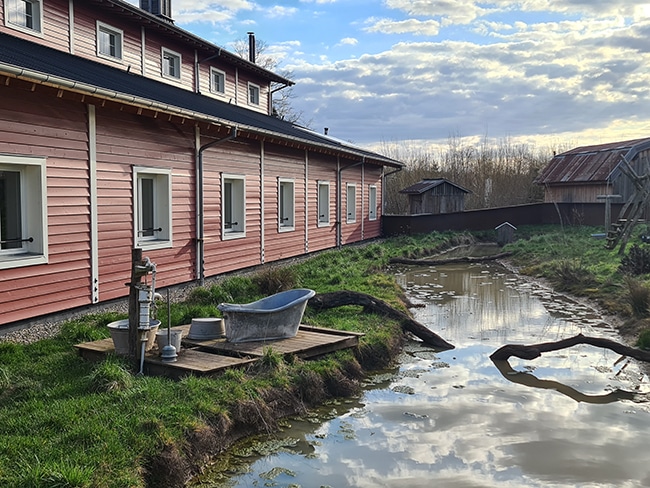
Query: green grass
65	422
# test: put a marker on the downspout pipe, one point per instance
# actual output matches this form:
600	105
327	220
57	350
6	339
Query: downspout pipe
200	232
339	203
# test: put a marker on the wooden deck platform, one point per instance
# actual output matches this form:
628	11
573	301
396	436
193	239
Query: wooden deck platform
210	357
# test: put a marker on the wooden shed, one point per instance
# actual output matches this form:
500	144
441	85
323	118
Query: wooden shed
435	196
583	174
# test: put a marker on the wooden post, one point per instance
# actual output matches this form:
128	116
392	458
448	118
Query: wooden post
134	313
608	209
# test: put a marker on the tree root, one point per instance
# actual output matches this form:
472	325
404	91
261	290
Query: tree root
334	299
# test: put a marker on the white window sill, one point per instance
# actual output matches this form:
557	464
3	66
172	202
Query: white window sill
150	245
21	260
233	235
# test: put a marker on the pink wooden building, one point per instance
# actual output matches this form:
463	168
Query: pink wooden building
120	130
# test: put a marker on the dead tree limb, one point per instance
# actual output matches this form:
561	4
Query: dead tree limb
464	259
334	299
535	350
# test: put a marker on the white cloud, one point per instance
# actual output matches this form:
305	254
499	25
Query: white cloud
410	26
279	11
348	41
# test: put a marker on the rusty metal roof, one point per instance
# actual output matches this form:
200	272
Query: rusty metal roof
587	164
428	184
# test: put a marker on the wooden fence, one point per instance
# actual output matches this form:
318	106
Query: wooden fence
592	214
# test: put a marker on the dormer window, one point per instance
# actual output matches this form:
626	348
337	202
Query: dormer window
171	64
25	15
217	81
253	94
109	41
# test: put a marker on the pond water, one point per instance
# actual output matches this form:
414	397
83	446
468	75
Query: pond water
576	417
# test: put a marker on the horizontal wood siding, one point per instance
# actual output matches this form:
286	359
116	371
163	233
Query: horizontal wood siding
321	168
352	232
238	158
242	92
124	141
153	60
574	193
230	87
31	125
372	176
54	25
287	164
85	38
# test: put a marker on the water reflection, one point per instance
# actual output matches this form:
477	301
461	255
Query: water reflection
455	419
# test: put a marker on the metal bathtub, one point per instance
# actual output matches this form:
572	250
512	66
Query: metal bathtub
275	317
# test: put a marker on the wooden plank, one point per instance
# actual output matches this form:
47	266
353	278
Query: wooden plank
191	361
305	344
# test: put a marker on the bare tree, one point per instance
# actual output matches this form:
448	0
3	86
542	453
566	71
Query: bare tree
282	95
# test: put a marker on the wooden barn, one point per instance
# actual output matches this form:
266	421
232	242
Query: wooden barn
585	173
119	130
435	196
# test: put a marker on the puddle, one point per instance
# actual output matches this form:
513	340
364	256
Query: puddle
572	418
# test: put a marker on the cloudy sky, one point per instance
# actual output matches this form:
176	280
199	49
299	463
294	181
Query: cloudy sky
546	72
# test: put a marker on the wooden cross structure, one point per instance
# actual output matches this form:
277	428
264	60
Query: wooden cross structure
632	212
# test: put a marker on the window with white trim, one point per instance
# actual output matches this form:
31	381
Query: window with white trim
286	204
23	211
323	203
233	206
351	203
152	207
217	81
372	202
171	64
253	94
25	15
109	41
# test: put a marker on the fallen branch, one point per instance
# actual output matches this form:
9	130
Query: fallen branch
334	299
535	350
465	259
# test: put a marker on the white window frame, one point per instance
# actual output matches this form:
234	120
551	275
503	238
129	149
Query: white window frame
222	75
33	212
106	29
286	204
254	94
372	202
16	20
351	203
166	54
235	227
323	203
161	206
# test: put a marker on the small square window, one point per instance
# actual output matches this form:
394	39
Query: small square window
253	94
152	208
286	204
109	41
217	81
23	211
171	64
25	15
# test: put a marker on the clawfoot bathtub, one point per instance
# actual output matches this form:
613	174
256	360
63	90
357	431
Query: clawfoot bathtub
274	317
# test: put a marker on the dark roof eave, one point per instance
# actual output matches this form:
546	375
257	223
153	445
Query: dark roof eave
78	87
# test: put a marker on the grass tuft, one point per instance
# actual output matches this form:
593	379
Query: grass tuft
109	376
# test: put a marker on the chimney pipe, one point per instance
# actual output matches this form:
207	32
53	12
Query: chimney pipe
251	47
